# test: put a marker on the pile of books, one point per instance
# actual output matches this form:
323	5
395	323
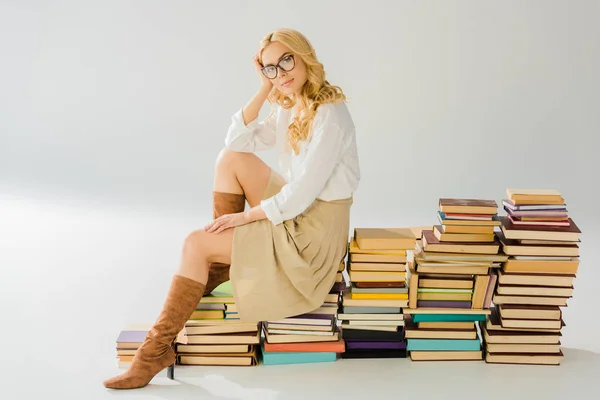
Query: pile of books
128	341
372	316
536	280
452	275
209	338
307	338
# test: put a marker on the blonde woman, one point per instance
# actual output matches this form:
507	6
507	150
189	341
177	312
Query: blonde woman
283	252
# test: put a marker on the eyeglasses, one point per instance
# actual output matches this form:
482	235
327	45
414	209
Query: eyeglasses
286	64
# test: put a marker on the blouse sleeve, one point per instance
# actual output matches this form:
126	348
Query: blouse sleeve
252	137
324	151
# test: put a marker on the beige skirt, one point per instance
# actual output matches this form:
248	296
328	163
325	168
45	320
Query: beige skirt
288	269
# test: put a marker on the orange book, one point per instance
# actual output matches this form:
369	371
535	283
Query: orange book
334	347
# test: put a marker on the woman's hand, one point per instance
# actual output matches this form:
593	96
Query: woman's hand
227	221
265	83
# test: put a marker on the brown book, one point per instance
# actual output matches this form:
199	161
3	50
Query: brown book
377	258
237	359
213	348
439	233
565	267
522	348
448	269
535	196
522	311
493	324
520	337
388	267
531	323
384	238
432	244
513	247
520	290
558	233
413	286
229	338
468	206
531	300
480	290
527	279
446	325
524	358
446	355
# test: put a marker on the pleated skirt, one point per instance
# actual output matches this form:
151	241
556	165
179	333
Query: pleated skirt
288	269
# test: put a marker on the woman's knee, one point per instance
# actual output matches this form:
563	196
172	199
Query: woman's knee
194	244
227	158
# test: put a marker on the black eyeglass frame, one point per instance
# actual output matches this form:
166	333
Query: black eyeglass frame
278	66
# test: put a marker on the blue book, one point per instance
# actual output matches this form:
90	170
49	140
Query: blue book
278	358
448	317
442	217
443	345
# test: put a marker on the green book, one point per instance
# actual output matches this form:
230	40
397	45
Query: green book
448	317
443	345
222	294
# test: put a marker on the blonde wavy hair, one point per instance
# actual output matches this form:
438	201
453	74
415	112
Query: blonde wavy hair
316	91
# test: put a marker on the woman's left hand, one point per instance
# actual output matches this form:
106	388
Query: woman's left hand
227	221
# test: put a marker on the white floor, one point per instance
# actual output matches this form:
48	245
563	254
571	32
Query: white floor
73	277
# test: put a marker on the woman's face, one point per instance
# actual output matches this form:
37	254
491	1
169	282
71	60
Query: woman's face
286	70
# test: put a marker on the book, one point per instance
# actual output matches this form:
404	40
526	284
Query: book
432	244
468	206
558	233
384	238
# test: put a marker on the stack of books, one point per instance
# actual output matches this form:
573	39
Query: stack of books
372	316
452	275
209	338
307	338
542	243
128	341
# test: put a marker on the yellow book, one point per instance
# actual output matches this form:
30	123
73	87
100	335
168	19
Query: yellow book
354	249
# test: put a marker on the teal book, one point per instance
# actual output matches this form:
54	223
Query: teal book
443	345
279	358
448	317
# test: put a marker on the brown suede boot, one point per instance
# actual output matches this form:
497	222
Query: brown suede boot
223	203
157	353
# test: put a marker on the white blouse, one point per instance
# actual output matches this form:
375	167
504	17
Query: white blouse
326	167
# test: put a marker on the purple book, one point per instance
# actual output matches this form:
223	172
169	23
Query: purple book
360	344
132	336
443	304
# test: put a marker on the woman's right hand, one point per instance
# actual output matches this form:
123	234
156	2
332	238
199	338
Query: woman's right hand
265	82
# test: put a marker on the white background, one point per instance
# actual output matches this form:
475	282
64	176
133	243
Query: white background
112	114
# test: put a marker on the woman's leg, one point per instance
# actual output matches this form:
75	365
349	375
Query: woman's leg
241	173
238	177
185	292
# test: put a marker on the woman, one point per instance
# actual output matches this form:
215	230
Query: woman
285	250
